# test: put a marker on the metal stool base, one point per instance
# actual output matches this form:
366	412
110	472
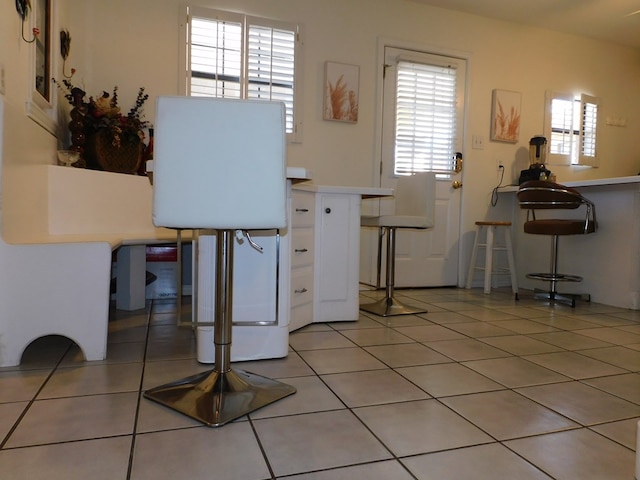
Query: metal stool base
389	306
566	298
216	398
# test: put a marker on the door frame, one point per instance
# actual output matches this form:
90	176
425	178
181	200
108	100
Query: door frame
370	245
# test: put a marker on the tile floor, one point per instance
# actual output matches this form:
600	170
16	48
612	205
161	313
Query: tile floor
480	387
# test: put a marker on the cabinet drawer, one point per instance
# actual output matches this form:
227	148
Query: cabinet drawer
301	286
301	316
302	209
301	247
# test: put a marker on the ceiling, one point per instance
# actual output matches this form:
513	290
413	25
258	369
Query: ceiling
615	21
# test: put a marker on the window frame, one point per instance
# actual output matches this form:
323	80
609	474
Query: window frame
41	103
435	66
190	11
582	131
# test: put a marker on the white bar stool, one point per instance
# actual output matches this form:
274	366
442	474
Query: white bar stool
491	246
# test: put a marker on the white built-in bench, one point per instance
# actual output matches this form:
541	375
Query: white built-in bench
56	260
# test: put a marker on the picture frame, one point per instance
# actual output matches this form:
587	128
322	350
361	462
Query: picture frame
505	116
341	92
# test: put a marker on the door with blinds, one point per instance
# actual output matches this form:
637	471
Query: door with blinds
423	111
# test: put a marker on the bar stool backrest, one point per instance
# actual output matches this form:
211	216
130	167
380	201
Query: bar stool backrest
219	164
544	195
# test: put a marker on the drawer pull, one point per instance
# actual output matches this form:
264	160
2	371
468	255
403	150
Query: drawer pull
301	250
302	210
302	290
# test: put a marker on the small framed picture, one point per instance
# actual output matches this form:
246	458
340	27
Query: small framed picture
341	82
505	116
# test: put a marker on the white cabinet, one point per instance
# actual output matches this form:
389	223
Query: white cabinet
308	273
264	286
335	227
337	257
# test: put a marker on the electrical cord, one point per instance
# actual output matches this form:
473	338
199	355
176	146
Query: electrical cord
494	193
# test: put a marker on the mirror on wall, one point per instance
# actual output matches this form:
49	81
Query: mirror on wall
40	98
42	60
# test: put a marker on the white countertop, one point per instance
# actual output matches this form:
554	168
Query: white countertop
603	181
596	182
365	192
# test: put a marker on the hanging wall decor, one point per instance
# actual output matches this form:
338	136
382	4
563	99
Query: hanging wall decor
341	83
505	116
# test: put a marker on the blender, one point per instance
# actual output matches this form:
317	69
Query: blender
537	160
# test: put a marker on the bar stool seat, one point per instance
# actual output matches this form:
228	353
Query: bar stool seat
487	230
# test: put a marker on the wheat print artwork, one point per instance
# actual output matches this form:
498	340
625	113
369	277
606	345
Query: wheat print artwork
341	92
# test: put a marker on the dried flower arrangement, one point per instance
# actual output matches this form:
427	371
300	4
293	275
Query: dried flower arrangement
104	124
104	112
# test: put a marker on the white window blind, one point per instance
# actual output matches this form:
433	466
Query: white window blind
589	110
236	56
425	118
572	129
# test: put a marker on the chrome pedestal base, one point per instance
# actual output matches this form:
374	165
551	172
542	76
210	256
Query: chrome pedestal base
566	298
387	307
221	395
216	398
552	295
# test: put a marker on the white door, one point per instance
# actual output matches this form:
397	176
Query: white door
422	119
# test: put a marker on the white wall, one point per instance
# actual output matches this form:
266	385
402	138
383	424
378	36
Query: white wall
133	43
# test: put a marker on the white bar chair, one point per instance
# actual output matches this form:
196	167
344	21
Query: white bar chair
415	197
220	164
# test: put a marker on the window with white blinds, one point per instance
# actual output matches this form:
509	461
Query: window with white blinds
426	111
571	125
237	56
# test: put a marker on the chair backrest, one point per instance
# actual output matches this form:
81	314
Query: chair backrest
219	164
540	194
543	195
415	195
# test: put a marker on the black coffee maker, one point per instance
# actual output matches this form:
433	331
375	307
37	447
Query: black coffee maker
537	159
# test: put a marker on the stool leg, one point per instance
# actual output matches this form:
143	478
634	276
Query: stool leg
474	257
381	232
488	259
389	305
223	394
512	262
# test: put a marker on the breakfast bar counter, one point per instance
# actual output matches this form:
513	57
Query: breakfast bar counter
608	261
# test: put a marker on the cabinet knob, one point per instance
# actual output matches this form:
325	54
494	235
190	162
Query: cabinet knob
301	250
302	210
327	210
302	290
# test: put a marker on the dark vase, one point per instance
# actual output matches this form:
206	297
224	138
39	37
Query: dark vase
103	151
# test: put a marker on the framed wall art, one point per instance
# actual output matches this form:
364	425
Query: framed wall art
505	116
341	82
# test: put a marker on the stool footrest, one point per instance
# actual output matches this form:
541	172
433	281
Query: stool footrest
554	277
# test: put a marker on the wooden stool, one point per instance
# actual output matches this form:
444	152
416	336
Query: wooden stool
491	246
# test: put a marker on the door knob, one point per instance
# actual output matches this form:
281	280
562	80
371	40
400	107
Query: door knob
456	184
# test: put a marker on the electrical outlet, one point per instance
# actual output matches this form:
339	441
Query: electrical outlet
500	170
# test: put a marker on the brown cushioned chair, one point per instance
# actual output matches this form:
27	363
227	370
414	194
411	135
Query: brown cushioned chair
543	195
